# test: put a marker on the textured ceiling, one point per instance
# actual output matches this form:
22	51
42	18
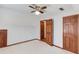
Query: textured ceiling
51	8
21	13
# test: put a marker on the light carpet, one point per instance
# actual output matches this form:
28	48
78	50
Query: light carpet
33	47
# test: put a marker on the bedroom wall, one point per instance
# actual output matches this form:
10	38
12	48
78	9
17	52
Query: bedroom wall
20	26
23	27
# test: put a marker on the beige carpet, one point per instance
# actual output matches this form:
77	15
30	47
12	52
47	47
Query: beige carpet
33	47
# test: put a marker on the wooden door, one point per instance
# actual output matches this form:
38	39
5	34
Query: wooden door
46	26
3	38
70	33
49	32
42	30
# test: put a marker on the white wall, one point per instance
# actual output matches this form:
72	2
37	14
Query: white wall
20	26
58	26
58	30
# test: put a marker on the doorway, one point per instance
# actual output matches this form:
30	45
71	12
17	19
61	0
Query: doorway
3	38
46	30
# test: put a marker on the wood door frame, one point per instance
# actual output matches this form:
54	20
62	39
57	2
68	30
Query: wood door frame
51	29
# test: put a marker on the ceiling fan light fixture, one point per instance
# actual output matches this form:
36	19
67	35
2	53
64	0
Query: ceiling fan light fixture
37	12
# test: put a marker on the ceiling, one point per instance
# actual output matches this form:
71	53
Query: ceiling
24	17
51	8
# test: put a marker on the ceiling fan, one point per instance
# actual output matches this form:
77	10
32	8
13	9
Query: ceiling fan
37	9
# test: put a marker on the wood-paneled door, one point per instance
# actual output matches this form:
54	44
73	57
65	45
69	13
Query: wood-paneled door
3	38
42	30
46	31
49	32
70	33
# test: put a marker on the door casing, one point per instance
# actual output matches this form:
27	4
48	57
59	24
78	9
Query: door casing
49	31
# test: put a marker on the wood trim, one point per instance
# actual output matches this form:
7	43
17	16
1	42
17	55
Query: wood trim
57	46
46	43
63	48
47	19
71	15
21	42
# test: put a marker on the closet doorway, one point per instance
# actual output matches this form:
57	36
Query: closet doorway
46	30
71	33
3	38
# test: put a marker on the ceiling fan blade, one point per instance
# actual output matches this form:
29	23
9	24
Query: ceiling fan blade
41	11
31	7
32	11
44	7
